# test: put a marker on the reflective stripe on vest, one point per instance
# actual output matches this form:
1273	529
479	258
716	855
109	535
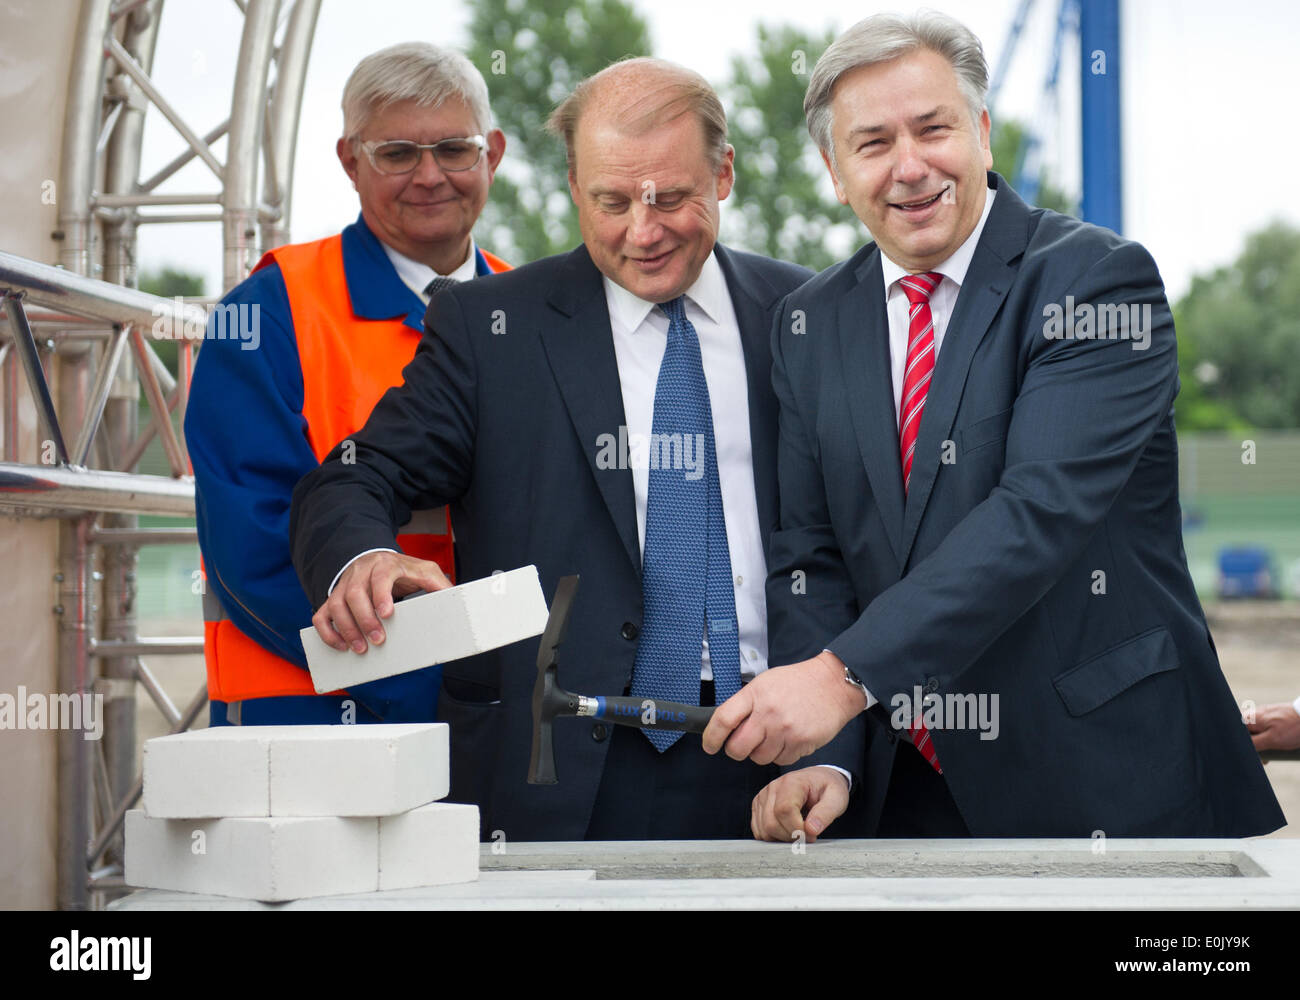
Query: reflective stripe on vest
347	364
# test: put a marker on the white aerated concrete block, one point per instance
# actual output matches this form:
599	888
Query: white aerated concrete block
434	845
366	770
267	858
208	772
436	628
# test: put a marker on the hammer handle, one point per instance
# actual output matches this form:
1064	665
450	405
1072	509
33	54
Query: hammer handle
651	713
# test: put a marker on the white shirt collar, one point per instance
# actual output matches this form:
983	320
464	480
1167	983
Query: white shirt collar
416	275
709	293
956	266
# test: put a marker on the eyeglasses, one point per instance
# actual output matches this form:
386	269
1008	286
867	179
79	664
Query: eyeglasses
401	156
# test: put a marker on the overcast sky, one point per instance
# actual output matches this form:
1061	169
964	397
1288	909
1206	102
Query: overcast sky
1208	87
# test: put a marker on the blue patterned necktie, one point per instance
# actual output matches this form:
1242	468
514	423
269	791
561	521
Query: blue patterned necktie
686	579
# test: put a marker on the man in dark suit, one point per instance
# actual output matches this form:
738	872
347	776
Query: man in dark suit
980	539
527	409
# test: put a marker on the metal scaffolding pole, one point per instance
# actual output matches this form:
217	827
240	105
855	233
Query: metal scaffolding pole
54	490
75	614
282	118
10	371
239	201
74	622
109	92
57	289
80	135
25	346
121	427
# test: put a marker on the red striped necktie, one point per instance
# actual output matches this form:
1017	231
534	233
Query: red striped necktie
916	384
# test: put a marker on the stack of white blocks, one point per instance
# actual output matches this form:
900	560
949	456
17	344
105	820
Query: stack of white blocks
286	812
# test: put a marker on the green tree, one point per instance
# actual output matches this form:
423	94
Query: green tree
1006	140
168	282
781	205
1196	409
532	54
1239	337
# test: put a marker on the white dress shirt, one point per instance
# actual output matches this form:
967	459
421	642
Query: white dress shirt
942	301
416	275
640	338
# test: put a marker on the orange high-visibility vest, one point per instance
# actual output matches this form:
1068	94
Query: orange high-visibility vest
347	363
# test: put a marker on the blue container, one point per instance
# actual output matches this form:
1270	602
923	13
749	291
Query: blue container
1246	571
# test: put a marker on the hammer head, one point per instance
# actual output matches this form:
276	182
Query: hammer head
549	699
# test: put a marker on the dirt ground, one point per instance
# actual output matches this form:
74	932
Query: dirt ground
1259	649
1258	643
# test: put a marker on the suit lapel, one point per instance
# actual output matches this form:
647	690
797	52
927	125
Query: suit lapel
752	300
580	351
989	278
864	347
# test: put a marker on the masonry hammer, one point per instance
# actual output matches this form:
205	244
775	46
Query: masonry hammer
550	701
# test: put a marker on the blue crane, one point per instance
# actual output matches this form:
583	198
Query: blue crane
1097	23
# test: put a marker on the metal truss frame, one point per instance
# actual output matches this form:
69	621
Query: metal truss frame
82	331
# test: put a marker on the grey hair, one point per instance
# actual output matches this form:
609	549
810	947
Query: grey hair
883	37
412	71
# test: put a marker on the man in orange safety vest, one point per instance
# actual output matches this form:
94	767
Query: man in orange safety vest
298	353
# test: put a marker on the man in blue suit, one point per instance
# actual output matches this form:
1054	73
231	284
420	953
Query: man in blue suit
979	580
523	410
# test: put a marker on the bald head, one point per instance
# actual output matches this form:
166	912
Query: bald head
637	95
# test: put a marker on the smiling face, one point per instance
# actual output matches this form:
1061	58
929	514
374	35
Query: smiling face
648	203
908	157
427	214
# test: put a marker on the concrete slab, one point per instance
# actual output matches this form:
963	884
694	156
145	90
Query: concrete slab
881	874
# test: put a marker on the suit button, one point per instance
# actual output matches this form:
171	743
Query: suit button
599	733
931	685
629	631
891	738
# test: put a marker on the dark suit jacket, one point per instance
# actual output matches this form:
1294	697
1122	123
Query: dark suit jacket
500	416
1037	558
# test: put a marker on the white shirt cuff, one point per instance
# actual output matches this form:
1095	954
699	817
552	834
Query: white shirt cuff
1296	705
847	777
349	563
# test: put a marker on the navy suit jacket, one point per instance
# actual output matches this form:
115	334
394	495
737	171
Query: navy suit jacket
1037	558
501	416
